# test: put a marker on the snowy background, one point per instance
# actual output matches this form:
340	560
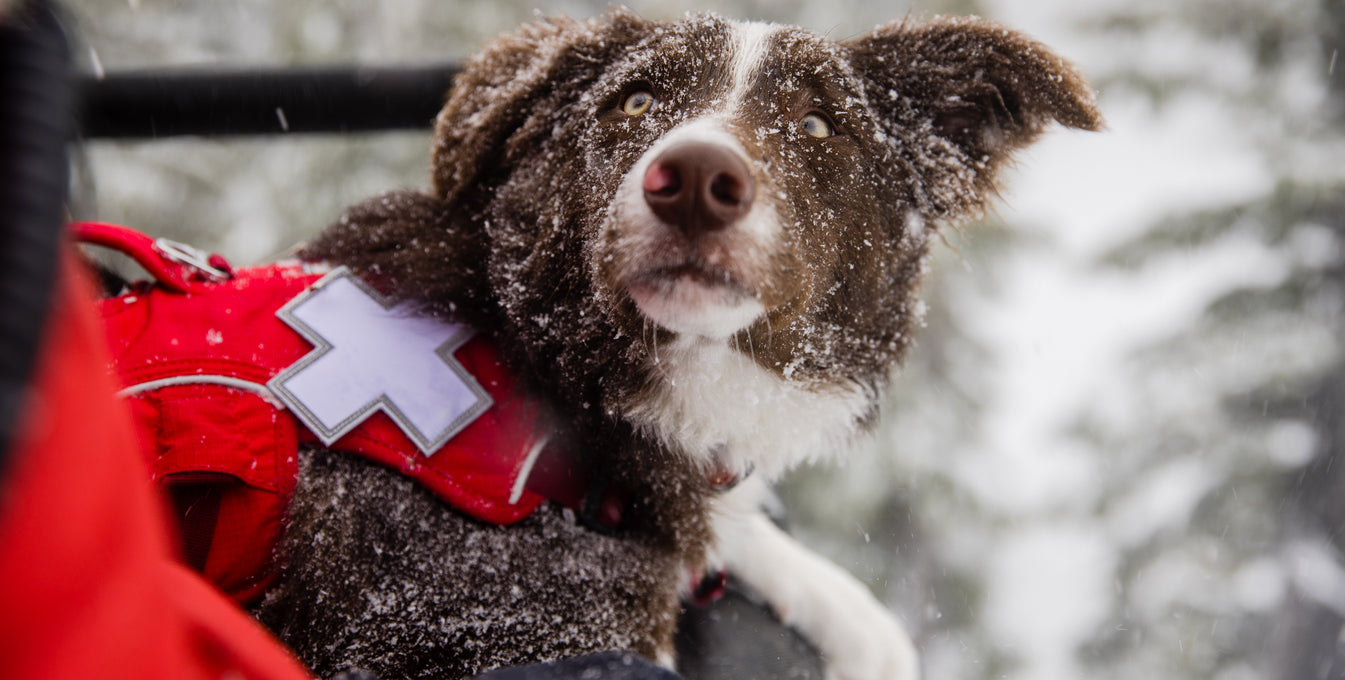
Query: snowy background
1113	454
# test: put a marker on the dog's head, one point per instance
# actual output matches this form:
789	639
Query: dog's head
717	229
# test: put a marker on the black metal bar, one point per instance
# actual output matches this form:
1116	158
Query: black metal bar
149	104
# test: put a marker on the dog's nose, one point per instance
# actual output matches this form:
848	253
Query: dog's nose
699	187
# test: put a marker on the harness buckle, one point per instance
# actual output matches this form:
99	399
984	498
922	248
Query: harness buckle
195	258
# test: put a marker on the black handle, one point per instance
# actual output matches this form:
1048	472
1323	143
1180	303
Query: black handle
148	104
35	125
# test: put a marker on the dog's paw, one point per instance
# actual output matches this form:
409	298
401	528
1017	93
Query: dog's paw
858	638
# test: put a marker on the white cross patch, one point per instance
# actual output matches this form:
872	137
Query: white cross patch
371	355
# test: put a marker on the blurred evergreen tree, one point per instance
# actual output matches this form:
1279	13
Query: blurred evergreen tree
1218	443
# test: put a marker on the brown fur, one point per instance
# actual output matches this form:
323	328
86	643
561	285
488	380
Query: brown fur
381	575
513	239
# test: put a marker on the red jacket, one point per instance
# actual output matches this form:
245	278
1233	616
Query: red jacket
89	580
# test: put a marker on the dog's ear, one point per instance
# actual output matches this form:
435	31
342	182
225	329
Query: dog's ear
983	88
510	82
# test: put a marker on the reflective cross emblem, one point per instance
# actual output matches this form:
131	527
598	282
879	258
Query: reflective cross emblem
371	355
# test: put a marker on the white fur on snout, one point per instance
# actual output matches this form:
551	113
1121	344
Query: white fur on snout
720	407
689	306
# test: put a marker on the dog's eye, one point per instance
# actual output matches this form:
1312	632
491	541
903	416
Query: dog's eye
637	103
816	125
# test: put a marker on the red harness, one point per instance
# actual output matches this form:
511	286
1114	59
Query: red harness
193	353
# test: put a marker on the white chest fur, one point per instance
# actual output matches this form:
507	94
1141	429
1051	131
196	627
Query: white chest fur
717	405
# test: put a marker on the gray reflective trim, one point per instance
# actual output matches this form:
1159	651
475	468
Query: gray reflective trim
227	381
521	481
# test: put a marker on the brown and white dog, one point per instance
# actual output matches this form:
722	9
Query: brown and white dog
701	243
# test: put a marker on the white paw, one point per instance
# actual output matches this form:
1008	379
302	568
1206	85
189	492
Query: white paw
859	639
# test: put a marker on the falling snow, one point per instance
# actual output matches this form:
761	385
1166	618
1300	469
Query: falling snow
1058	489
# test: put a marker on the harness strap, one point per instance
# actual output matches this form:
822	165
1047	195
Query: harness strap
195	351
176	266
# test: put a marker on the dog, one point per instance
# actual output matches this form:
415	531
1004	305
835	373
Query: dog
699	244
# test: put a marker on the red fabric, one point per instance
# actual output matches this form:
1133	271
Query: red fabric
230	329
88	582
475	471
207	428
156	333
